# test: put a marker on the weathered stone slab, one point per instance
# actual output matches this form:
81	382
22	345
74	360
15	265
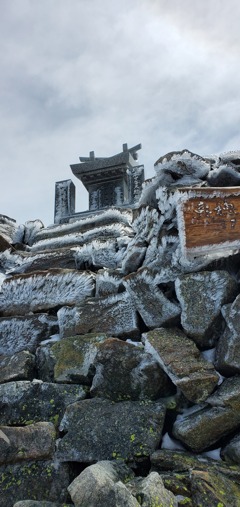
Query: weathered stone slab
205	427
134	257
24	402
8	231
98	254
34	480
151	491
26	332
73	358
201	296
108	282
183	362
228	347
62	258
153	306
210	488
106	430
125	372
19	366
100	485
227	394
41	290
112	315
36	441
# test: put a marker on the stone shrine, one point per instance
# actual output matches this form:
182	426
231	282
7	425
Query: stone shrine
111	182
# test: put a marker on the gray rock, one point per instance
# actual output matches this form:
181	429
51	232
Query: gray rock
133	257
181	163
151	491
112	315
73	358
99	485
125	372
19	366
41	290
226	175
231	452
153	306
180	358
201	296
100	253
63	258
203	428
33	442
227	394
25	333
34	480
215	489
24	402
107	430
228	347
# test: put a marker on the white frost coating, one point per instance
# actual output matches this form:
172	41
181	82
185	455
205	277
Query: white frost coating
22	294
171	443
2	278
182	163
123	216
189	411
19	333
53	339
136	344
32	227
79	238
97	253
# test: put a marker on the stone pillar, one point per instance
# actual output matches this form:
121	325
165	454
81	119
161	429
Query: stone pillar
64	200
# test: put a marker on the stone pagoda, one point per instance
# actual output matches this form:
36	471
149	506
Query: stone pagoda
110	181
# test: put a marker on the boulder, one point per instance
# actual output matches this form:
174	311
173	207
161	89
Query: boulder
101	253
33	292
128	430
151	491
19	366
205	427
99	485
231	452
154	307
228	347
34	480
201	296
26	332
125	372
210	488
24	402
108	282
73	358
111	315
134	257
182	361
62	258
33	442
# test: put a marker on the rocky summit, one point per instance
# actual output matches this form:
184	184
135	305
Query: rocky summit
120	339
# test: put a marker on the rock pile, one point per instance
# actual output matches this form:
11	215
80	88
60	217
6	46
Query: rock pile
120	366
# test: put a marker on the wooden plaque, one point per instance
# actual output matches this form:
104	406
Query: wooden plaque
208	220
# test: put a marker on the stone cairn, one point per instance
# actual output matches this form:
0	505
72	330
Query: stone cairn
120	362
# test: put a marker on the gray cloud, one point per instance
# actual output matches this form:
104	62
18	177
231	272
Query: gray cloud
85	74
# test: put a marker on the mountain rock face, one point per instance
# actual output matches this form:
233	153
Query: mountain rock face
120	364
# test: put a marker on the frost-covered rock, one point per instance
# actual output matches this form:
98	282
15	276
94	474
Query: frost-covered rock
108	282
74	356
41	290
63	258
98	253
100	485
153	306
41	480
24	402
201	296
31	228
125	372
19	366
228	348
205	427
111	315
35	441
133	258
9	232
183	363
127	430
178	164
25	333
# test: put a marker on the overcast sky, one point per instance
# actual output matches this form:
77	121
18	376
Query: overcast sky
83	75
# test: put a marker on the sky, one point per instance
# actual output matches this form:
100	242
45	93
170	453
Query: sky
84	75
